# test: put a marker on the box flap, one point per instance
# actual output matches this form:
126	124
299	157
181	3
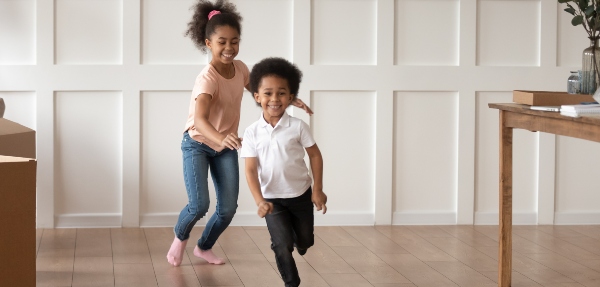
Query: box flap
4	158
16	140
9	127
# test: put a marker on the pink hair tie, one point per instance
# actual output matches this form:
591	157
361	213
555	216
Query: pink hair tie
213	13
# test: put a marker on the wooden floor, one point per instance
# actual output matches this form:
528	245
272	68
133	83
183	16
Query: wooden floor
390	256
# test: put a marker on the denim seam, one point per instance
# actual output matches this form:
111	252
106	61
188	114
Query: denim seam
195	185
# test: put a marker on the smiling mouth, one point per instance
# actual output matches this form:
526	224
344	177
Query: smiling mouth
274	107
227	55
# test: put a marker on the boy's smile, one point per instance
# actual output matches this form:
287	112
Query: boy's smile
274	97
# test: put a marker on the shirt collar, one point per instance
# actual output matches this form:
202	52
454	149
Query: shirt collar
284	121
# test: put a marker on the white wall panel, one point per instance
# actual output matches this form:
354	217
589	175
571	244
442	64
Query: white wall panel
164	23
344	38
425	152
20	108
89	32
577	175
81	69
487	163
88	148
347	142
17	32
268	35
503	42
571	40
164	115
428	43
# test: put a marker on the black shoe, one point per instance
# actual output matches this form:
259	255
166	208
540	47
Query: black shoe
301	251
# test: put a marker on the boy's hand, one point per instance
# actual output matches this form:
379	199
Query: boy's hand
264	208
319	198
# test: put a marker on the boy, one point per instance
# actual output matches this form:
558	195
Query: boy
276	172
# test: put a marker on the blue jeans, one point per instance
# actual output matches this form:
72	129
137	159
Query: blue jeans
224	169
291	224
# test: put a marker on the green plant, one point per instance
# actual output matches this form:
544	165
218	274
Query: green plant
585	13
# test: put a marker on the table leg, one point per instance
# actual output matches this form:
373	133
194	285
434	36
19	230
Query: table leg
505	233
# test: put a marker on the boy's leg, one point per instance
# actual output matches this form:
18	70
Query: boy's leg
224	168
282	242
302	217
195	172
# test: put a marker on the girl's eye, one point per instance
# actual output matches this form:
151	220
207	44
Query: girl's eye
221	43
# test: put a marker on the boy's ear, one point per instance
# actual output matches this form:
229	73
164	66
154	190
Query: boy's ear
256	98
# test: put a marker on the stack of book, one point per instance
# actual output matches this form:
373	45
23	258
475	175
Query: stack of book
579	110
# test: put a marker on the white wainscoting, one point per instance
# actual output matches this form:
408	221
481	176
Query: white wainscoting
400	106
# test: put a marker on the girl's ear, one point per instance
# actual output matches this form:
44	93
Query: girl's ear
207	43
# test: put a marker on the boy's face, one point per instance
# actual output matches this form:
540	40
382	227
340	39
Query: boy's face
274	97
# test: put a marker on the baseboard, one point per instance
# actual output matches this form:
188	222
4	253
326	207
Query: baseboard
576	218
424	218
493	218
251	219
88	220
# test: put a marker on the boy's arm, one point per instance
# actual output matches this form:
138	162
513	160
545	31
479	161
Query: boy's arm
319	198
264	207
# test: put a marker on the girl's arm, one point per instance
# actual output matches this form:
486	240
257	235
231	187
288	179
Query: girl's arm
264	207
300	104
202	112
319	198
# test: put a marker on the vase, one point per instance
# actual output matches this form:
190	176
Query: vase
573	84
590	64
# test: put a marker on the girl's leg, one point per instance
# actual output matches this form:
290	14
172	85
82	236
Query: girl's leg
279	223
195	172
303	219
224	170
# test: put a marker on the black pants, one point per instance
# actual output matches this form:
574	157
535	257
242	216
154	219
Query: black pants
291	224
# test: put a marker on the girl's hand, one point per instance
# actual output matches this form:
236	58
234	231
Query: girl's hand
232	141
264	208
319	198
300	104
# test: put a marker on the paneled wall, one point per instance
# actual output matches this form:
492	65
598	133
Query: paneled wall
399	88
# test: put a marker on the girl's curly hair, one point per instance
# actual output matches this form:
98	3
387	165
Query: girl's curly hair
200	28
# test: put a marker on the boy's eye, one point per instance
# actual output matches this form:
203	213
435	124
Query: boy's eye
222	43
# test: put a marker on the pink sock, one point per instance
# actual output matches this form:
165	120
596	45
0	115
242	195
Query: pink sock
208	255
175	255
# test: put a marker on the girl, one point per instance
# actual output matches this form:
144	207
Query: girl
210	138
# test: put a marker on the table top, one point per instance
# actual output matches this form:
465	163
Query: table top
525	109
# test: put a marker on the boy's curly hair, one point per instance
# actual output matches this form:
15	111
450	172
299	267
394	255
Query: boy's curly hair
200	28
277	67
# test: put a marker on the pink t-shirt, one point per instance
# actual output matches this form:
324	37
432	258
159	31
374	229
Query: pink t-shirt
225	104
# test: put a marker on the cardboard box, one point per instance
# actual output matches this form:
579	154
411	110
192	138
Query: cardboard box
17	221
16	140
544	98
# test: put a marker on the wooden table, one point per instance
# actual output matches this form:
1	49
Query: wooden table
517	116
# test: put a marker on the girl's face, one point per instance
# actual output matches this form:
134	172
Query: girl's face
274	97
224	44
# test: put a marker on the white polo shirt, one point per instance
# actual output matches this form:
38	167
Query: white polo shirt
279	150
